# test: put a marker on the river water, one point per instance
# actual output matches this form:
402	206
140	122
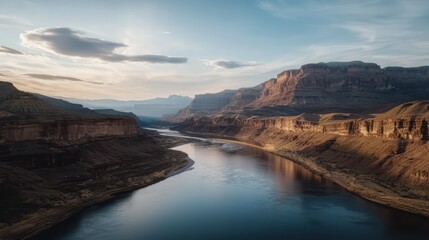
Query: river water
239	192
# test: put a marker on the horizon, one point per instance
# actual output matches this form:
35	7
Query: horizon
142	50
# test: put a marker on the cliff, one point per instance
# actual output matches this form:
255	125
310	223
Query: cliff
57	158
349	87
66	129
25	116
407	121
353	87
383	158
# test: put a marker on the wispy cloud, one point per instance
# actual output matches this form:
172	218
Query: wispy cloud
227	64
383	31
69	42
8	50
58	78
350	10
10	21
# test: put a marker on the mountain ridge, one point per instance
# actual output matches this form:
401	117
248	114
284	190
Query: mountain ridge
354	86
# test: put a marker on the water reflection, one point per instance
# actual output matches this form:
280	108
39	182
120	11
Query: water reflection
244	194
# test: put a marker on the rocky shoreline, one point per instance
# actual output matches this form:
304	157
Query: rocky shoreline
366	186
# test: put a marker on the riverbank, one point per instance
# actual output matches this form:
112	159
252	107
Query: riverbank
103	169
366	186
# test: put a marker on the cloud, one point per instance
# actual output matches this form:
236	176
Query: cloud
60	78
4	49
395	35
13	22
365	9
69	42
228	64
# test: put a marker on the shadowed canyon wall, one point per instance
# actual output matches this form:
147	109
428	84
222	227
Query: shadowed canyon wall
67	129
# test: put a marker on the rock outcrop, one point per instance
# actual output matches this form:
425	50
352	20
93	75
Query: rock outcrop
407	121
26	117
353	87
350	87
67	130
384	157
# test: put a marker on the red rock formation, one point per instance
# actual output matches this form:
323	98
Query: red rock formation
354	85
400	122
321	88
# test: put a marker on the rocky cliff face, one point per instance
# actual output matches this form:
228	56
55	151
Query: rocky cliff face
67	130
24	116
407	121
390	149
354	87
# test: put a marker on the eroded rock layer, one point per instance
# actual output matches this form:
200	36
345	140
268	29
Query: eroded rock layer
354	87
26	117
384	158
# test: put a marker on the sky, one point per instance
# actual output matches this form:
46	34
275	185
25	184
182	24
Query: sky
142	49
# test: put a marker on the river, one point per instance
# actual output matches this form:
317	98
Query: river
239	192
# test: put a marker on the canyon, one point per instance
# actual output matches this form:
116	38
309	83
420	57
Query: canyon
364	127
352	87
57	158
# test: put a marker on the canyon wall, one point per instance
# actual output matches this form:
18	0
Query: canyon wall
26	117
59	130
390	125
391	149
353	87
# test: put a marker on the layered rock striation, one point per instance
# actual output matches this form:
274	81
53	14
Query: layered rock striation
353	87
338	119
384	158
26	117
407	121
67	129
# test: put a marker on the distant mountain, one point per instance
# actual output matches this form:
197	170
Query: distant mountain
156	107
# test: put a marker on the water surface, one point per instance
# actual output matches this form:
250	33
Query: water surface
244	193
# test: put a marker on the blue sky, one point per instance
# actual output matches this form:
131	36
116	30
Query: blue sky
154	48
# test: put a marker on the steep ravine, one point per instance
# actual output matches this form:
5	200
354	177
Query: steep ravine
384	158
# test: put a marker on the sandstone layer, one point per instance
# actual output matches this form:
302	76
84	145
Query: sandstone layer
384	158
352	87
